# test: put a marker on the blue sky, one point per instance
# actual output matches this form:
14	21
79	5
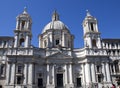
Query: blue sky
72	13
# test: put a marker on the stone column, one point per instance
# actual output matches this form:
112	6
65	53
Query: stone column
16	40
83	71
93	72
114	68
104	72
70	74
25	73
53	73
108	72
30	74
8	73
13	75
27	26
107	45
17	25
89	42
66	79
48	76
119	66
87	73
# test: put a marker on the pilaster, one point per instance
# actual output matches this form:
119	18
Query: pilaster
12	81
87	73
108	73
93	72
30	74
104	72
25	74
8	73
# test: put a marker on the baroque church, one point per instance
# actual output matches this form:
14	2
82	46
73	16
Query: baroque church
55	63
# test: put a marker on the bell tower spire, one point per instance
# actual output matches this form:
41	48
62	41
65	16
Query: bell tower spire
91	33
23	32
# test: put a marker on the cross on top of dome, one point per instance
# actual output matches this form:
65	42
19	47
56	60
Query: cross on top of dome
55	16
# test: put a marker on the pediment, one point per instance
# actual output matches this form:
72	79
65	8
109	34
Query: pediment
59	55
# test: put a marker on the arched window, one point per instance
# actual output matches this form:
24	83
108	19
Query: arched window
22	42
94	43
23	24
92	26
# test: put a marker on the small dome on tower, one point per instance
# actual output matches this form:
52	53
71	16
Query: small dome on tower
55	23
88	15
24	14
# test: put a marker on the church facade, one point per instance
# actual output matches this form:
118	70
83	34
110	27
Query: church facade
55	63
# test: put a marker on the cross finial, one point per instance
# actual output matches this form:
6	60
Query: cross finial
25	10
88	13
55	16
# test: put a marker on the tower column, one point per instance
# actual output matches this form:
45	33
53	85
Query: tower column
27	42
28	24
16	40
17	24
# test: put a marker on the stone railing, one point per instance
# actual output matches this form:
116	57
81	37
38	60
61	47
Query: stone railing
96	52
102	52
20	51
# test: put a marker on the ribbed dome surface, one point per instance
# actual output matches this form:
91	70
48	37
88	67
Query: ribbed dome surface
57	25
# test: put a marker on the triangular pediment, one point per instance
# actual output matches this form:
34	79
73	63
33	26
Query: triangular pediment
59	55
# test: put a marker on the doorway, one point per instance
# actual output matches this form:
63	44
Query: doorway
59	80
40	82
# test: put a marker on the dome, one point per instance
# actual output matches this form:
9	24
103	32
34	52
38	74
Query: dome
55	24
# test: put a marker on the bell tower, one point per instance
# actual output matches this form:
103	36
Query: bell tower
91	33
22	32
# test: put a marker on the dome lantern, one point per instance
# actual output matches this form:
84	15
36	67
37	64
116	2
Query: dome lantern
55	16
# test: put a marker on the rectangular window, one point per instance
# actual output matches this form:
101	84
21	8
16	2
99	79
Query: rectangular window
19	79
2	69
98	68
99	78
78	82
19	69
